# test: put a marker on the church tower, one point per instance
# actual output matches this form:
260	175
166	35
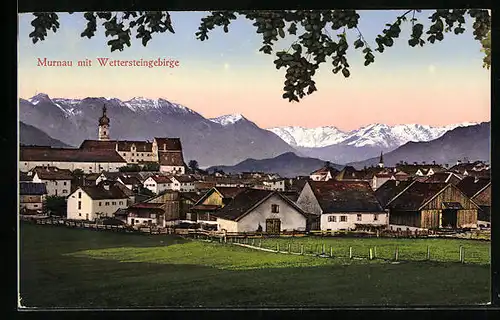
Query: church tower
381	161
103	126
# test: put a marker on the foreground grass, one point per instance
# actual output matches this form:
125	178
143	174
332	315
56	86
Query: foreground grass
80	268
441	250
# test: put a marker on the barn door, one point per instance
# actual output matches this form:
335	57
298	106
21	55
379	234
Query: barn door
449	218
273	226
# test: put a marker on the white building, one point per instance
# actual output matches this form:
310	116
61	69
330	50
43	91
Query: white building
261	210
89	203
31	195
169	155
57	181
275	185
343	205
158	184
183	183
89	161
324	174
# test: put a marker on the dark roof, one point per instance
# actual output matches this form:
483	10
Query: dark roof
160	179
345	196
292	195
243	202
416	196
206	207
469	166
23	176
100	193
350	173
169	144
324	170
193	196
147	205
391	188
132	180
52	173
169	158
32	189
98	144
141	146
229	192
184	179
68	155
471	185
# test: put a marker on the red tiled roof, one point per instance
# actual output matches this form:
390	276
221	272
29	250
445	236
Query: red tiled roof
170	158
52	173
168	144
100	193
161	179
68	155
99	145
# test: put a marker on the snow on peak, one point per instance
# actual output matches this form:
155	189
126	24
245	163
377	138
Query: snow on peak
376	134
141	104
228	119
39	97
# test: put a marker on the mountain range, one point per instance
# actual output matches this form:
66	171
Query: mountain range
225	140
462	143
286	165
29	135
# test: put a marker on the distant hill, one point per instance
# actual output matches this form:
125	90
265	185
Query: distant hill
286	165
472	143
29	135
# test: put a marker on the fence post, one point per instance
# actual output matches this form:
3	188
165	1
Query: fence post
260	243
350	252
428	253
463	255
331	251
460	250
371	254
375	251
289	247
323	249
253	242
396	253
278	247
301	249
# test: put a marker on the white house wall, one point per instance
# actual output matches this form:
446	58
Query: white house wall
352	220
290	218
60	188
86	167
91	207
228	225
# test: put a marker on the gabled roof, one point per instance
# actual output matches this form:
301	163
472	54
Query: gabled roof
169	144
23	176
32	189
141	146
100	193
52	173
470	185
390	189
119	185
193	196
224	192
350	173
244	202
444	177
416	195
324	170
184	179
99	144
345	196
161	179
68	155
169	158
132	180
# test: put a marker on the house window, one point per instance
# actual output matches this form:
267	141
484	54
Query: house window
358	217
113	203
107	203
79	195
64	183
275	208
100	203
332	219
124	154
79	205
79	214
343	218
132	154
121	202
65	191
35	206
136	221
375	217
55	182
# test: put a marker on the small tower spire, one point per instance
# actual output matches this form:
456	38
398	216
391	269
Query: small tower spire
104	125
381	160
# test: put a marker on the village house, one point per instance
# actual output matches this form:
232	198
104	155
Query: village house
445	177
432	205
213	200
343	205
469	168
349	173
183	183
31	196
158	183
324	174
130	179
91	203
479	191
57	181
144	214
261	210
391	189
275	185
132	196
169	155
89	161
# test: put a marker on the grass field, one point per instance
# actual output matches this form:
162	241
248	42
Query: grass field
63	267
441	250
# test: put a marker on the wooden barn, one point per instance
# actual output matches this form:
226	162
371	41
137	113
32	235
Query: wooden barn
175	205
479	190
431	206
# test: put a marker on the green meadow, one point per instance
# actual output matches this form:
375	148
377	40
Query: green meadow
75	268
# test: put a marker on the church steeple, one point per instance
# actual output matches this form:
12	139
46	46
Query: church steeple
104	125
381	160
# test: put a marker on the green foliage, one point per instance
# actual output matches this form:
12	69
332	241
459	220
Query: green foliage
311	48
150	166
486	43
77	173
55	206
193	165
130	168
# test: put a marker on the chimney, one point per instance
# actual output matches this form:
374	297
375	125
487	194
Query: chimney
459	162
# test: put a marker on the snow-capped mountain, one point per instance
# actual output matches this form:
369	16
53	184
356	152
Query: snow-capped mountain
373	135
207	141
228	119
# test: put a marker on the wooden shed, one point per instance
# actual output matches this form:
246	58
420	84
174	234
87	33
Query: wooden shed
431	206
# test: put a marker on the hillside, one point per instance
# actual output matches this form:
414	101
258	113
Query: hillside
472	143
29	135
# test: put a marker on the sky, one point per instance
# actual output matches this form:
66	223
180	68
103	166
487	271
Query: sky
438	84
